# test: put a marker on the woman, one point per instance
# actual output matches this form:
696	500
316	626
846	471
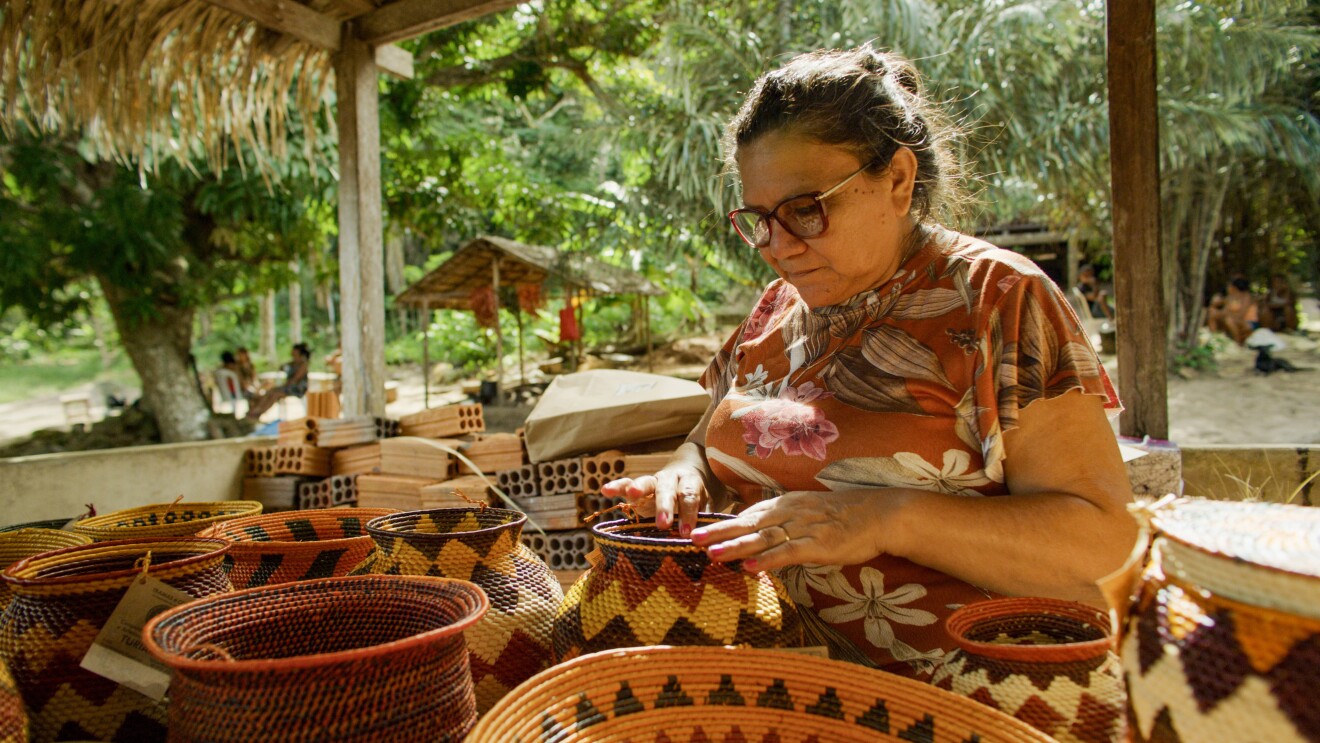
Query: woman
1234	313
894	376
295	382
1278	308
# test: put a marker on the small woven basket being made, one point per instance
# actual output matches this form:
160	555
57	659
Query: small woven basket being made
359	658
482	545
1223	642
1048	663
13	717
652	588
296	545
60	601
743	694
21	543
164	519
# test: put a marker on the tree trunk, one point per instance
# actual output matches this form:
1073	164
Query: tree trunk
295	305
159	349
267	348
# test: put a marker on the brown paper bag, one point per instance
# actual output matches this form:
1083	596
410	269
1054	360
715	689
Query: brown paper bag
609	408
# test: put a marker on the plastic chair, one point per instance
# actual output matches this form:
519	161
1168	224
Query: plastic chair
230	389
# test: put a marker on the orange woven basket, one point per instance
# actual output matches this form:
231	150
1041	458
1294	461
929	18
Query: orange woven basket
13	717
726	694
296	545
359	658
164	519
61	599
16	545
1047	662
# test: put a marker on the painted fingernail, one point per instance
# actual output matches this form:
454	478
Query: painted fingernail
698	536
684	530
662	520
716	550
751	566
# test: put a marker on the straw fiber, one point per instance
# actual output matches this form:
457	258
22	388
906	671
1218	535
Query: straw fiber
16	545
13	718
164	519
654	589
1223	642
482	545
299	545
61	600
365	658
1044	661
742	694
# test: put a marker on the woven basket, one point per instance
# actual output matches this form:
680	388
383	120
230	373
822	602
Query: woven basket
16	545
654	589
56	524
164	520
61	600
1046	662
359	658
735	694
13	717
297	545
1223	642
481	545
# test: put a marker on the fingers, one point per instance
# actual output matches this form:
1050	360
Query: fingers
691	495
666	495
639	493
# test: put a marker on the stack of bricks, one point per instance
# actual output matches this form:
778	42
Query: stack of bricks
315	462
459	492
447	421
561	550
406	465
492	452
597	471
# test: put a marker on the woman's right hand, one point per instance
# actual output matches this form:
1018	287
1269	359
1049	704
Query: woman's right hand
677	488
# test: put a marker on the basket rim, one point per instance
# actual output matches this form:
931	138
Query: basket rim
300	662
12	574
603	533
104	522
261	519
1184	521
549	686
374	526
969	615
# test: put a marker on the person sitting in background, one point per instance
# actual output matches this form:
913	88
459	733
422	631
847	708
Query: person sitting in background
1278	309
1234	313
247	372
295	382
1089	286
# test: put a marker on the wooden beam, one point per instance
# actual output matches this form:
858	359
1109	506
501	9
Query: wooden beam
1134	156
361	242
287	21
408	18
288	17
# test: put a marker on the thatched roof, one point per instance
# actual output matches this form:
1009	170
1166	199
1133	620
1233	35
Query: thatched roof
471	267
156	77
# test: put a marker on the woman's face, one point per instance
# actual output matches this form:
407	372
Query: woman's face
868	218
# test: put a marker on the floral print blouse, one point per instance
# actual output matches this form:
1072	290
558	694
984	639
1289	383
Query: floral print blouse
910	384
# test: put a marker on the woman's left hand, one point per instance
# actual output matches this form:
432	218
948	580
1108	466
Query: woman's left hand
801	527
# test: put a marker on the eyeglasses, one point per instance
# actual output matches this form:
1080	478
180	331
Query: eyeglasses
802	215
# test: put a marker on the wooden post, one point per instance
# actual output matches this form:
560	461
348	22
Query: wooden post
426	354
646	324
522	366
361	253
499	336
268	348
295	305
1134	156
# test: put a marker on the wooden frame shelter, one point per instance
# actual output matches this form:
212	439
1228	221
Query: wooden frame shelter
162	66
490	261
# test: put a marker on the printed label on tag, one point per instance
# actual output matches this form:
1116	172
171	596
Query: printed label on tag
818	651
118	653
594	557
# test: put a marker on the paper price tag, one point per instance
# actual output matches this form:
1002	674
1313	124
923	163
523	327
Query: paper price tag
118	653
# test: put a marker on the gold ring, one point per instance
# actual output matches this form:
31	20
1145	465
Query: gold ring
781	528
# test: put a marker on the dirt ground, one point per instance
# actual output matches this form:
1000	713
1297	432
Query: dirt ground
1230	404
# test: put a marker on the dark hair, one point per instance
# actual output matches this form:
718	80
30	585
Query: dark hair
1241	284
227	358
241	349
865	101
303	349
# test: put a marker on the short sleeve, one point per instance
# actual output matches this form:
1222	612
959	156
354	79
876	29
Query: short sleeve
1036	349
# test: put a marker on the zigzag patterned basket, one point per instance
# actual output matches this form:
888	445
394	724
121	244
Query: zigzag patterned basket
742	694
1223	642
653	588
61	600
482	545
296	545
22	543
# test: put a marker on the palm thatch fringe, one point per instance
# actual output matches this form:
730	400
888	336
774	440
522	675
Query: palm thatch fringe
149	79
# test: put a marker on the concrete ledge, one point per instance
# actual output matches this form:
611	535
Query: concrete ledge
1276	473
51	486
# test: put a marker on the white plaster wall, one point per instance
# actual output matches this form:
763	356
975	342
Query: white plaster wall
50	486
